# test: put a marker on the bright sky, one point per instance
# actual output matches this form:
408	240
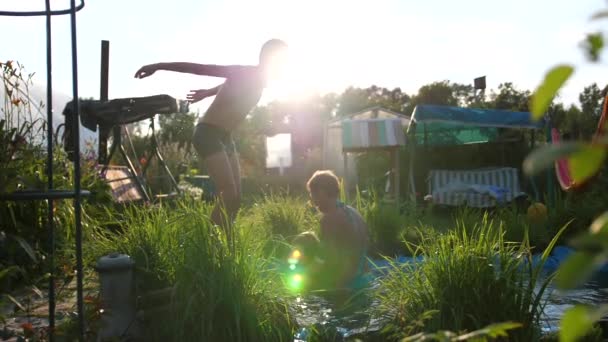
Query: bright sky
334	44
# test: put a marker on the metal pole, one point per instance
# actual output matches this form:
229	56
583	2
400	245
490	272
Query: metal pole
49	171
77	195
103	96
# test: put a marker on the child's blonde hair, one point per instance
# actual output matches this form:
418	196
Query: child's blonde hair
326	181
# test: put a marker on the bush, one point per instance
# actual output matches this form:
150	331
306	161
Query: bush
24	239
281	214
219	293
464	271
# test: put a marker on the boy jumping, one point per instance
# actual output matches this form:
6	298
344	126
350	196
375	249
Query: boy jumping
236	97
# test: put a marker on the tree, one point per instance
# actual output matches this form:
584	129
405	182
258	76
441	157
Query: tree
591	100
353	100
510	98
441	93
176	128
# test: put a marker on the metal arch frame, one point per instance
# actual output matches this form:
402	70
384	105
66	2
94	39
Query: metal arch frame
47	12
51	193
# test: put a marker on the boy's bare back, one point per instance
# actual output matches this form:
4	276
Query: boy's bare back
238	95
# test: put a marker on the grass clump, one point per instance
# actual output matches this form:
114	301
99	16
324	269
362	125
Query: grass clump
218	292
470	278
281	215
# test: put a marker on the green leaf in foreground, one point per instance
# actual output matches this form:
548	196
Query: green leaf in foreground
575	323
492	331
596	240
578	320
586	162
547	90
543	158
575	270
593	45
600	225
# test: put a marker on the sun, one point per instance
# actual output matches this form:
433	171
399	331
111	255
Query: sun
297	78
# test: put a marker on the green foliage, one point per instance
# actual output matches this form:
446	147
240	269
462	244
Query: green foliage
545	157
585	161
593	45
544	94
441	93
23	167
281	214
578	322
384	221
176	129
509	97
463	271
218	293
491	332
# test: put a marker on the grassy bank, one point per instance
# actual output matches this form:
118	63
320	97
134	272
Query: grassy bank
219	293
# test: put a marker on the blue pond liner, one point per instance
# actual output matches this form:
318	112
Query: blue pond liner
555	259
381	267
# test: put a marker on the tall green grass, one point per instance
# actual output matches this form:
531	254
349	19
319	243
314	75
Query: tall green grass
281	214
385	222
218	293
274	219
471	277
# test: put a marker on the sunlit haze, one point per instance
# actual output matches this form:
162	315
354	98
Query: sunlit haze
333	44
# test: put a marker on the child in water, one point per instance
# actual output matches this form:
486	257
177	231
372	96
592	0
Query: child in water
344	235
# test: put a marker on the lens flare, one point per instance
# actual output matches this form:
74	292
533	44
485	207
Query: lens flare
296	254
292	267
295	282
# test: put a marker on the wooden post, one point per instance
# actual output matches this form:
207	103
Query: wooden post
103	96
325	128
345	183
105	67
397	176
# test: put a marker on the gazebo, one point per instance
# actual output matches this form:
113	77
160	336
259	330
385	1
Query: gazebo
372	129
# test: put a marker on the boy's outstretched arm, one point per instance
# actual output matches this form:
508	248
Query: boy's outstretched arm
197	95
190	68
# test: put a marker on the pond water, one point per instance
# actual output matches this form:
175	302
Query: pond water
358	318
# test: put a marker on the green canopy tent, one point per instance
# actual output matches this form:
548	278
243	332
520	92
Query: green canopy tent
438	126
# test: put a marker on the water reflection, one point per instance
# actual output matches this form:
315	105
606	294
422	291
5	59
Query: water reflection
357	318
593	293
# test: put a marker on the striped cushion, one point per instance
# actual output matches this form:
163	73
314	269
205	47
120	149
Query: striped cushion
122	183
371	133
506	178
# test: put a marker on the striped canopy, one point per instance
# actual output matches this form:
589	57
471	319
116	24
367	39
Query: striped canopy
372	133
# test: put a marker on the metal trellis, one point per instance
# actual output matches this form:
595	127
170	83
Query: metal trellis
52	194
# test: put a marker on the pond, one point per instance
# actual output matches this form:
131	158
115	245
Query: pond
358	319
